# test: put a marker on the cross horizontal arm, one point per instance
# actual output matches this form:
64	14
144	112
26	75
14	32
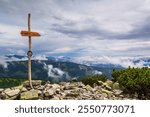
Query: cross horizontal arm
27	33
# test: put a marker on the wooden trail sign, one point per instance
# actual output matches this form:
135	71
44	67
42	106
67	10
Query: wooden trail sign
29	34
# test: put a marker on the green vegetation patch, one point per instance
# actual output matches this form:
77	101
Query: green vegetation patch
91	80
134	80
10	82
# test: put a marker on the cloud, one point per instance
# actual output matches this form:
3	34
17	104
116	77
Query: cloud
3	61
39	57
77	28
122	61
55	72
60	50
97	72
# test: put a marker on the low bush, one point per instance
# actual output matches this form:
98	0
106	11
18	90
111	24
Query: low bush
91	80
10	82
134	80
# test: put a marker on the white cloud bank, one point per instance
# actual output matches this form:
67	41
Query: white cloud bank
88	60
122	61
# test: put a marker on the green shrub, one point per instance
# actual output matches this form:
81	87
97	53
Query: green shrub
134	80
91	80
10	82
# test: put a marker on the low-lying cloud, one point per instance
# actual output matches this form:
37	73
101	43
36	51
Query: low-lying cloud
55	72
3	62
121	61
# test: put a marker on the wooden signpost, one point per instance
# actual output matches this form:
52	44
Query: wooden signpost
29	34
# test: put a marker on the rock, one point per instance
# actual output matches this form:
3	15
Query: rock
116	86
1	90
121	96
39	92
117	92
110	96
63	83
26	84
85	96
29	95
88	87
13	97
58	91
68	87
81	90
55	86
106	91
35	83
63	94
103	96
73	94
109	83
100	83
24	89
8	89
48	82
80	85
98	88
49	92
41	88
94	85
108	88
55	98
2	96
69	91
48	86
11	93
93	90
74	79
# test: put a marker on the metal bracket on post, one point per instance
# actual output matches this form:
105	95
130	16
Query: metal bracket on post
29	53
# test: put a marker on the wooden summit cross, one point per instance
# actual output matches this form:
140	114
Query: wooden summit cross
29	34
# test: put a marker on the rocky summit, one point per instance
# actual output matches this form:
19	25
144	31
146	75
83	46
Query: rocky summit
65	91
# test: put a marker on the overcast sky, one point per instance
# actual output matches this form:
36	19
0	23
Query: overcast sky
77	27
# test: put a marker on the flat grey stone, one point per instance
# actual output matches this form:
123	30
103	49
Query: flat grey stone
11	92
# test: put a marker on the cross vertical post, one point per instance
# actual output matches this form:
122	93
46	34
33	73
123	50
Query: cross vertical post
29	53
29	33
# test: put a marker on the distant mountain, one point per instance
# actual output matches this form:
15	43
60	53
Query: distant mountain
65	68
91	61
54	71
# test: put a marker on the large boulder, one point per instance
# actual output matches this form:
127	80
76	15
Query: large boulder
11	93
29	95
